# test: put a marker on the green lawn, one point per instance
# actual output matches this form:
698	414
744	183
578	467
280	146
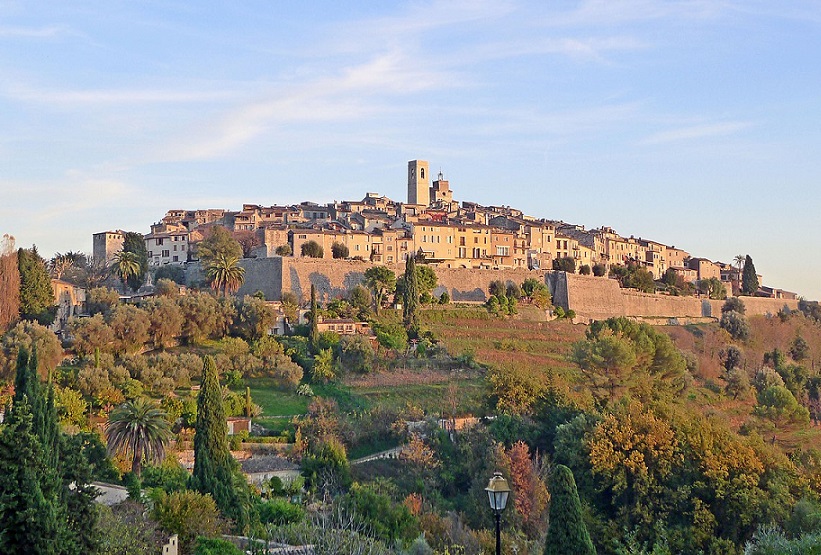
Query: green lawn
431	398
275	402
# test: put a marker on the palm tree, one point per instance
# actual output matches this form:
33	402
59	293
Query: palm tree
126	265
739	261
224	273
139	428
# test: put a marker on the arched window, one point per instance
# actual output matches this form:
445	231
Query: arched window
422	173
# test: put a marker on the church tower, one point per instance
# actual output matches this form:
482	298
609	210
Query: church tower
418	182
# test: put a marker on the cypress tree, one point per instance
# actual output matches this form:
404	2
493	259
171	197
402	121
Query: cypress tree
29	520
36	295
749	279
314	319
410	298
38	464
566	533
215	471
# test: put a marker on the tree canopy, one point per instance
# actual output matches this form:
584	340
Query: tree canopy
219	242
36	295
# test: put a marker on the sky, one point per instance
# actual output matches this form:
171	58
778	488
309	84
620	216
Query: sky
693	123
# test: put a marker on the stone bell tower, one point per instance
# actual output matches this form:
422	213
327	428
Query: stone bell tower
418	182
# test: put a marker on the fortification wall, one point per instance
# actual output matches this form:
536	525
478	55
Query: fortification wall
472	284
595	298
334	278
592	298
262	274
331	278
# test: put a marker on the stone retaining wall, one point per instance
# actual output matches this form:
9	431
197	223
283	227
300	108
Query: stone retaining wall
592	298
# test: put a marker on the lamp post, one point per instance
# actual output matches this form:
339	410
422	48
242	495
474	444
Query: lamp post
497	493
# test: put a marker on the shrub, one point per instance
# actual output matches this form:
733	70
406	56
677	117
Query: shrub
735	324
312	249
216	546
338	250
280	511
189	514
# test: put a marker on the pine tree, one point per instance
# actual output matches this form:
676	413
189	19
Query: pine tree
215	471
749	279
410	298
567	533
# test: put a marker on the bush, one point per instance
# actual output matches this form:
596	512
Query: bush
280	511
216	546
356	354
733	304
189	514
312	249
585	270
170	271
170	476
284	250
735	324
565	264
338	250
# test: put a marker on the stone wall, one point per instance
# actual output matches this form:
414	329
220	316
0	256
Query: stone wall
262	274
594	298
331	278
472	284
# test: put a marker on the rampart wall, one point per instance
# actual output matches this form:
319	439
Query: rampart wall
592	298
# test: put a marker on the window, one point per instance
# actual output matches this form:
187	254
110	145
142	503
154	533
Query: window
166	254
176	259
422	173
159	241
502	251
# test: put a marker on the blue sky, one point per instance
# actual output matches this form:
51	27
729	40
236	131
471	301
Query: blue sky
693	123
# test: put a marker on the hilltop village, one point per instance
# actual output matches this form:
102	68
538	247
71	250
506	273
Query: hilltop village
447	233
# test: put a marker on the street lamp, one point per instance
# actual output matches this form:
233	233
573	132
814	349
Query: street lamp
497	493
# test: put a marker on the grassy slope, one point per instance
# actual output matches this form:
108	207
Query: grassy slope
529	346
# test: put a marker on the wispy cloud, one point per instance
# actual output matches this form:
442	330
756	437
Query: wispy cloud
353	93
697	132
608	13
32	32
586	48
113	96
